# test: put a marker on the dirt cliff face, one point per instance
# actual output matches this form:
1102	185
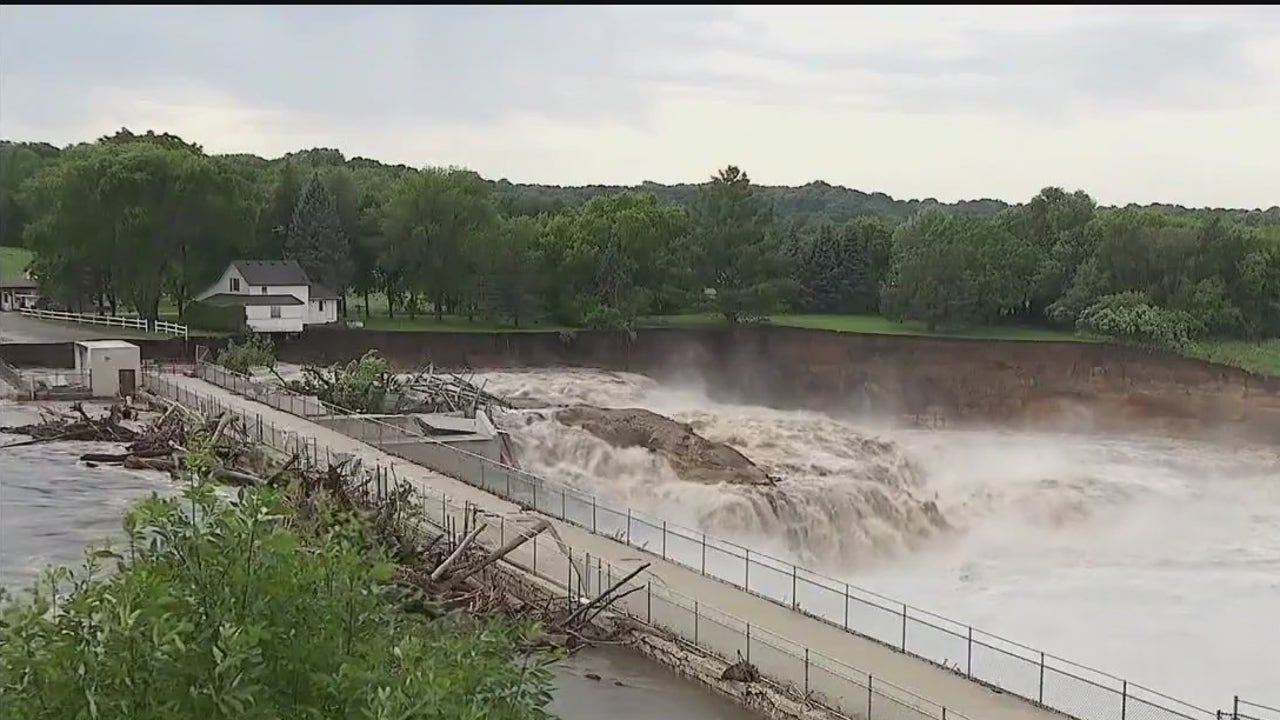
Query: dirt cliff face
922	381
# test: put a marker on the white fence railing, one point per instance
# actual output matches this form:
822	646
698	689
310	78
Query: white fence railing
120	321
1076	690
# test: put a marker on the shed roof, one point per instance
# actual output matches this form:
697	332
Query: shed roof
18	283
106	345
234	299
271	272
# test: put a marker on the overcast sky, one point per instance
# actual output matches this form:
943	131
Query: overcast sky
1176	104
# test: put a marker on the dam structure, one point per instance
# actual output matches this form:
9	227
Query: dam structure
848	646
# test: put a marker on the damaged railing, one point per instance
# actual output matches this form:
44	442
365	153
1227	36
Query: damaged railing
1076	690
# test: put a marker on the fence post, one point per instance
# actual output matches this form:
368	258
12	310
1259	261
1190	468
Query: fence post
564	504
628	526
1235	707
746	580
535	554
904	627
535	496
1124	698
508	474
869	680
1041	696
795	602
806	672
648	602
969	661
748	642
695	622
846	606
704	553
664	539
593	513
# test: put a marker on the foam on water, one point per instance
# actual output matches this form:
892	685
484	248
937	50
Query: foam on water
1158	560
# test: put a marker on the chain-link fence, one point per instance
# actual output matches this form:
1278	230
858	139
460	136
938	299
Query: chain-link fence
1074	689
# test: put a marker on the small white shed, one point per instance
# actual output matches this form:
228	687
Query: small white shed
113	367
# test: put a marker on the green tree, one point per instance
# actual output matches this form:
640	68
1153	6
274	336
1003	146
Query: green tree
430	220
737	259
276	212
316	238
839	268
508	275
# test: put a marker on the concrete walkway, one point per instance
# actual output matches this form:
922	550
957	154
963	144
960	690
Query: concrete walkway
958	695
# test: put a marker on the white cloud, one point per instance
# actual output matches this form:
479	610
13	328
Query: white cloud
1129	103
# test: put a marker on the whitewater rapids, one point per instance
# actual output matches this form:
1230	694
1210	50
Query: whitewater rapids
1157	560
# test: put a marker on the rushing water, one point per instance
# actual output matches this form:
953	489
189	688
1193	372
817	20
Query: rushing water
1155	560
52	506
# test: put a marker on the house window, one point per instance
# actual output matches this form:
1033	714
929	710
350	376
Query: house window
321	306
275	312
235	284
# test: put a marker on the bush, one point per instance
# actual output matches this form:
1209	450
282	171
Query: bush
249	612
222	318
253	351
1130	318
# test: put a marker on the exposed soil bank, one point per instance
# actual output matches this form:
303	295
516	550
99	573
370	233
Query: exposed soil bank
924	381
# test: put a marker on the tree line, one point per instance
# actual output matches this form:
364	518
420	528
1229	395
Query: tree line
133	219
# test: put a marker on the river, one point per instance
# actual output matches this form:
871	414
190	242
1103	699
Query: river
52	507
1154	560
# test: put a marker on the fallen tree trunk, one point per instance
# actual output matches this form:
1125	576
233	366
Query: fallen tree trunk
506	549
602	597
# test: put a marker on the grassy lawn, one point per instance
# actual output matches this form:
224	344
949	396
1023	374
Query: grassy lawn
1260	357
876	325
13	261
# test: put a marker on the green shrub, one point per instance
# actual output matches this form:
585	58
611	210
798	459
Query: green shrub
253	351
1130	318
248	612
222	318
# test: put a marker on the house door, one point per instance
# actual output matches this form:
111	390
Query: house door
128	382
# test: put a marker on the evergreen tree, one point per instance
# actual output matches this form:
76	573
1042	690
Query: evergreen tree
316	239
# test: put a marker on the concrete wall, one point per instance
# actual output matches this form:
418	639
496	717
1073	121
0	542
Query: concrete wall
292	318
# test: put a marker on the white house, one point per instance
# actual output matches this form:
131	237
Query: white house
277	296
18	293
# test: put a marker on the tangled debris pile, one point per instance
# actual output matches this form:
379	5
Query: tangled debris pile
449	392
57	426
369	385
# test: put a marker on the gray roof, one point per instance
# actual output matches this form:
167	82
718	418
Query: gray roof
18	284
320	292
272	272
234	299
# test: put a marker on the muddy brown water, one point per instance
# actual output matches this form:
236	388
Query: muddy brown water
631	687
